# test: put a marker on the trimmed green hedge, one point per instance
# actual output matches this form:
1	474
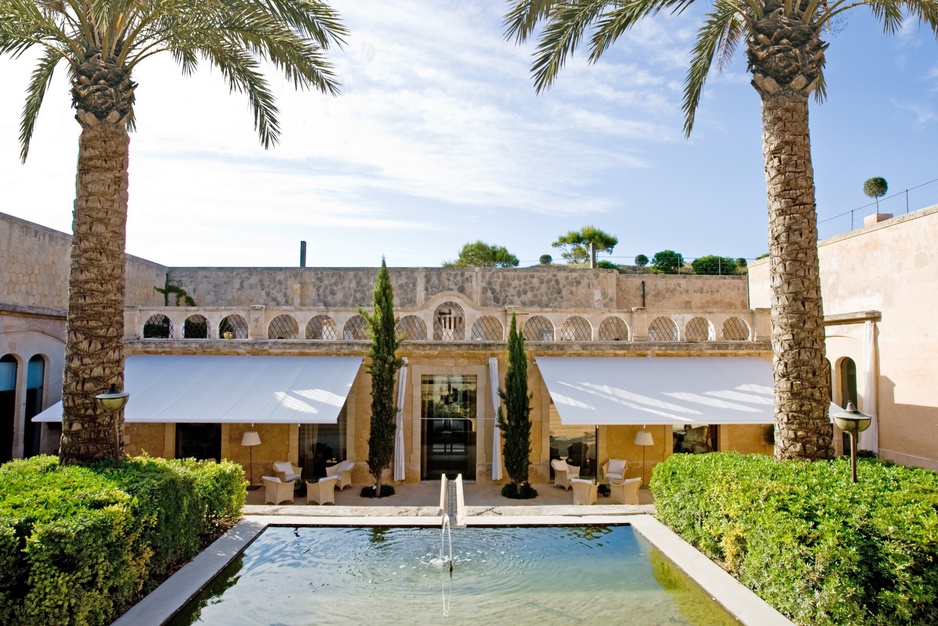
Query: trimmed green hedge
816	547
78	545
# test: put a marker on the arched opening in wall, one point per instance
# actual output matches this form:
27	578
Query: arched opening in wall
233	327
158	326
699	329
195	327
538	328
198	441
322	328
283	327
662	329
735	329
35	384
576	328
8	369
322	445
613	329
412	328
487	328
355	329
449	323
848	390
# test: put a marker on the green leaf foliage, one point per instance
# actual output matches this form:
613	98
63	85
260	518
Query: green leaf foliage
667	261
514	417
383	366
575	245
80	544
820	549
641	260
714	265
875	187
481	254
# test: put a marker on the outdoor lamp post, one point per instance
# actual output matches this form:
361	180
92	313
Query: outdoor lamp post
853	423
112	401
644	439
250	439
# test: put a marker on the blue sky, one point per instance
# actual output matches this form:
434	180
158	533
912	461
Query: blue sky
439	139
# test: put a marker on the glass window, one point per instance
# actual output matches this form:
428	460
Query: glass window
322	445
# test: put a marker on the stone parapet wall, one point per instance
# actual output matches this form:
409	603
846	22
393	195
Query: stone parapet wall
531	288
34	267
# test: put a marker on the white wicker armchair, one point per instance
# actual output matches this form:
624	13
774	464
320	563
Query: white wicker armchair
286	471
276	490
563	473
625	492
614	470
584	491
343	471
322	492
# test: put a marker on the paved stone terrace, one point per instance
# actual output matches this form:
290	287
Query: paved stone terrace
423	499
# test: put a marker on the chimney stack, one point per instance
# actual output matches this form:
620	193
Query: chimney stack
302	254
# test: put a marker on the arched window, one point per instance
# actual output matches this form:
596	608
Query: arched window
233	327
699	329
613	329
449	323
8	368
735	329
35	384
412	328
322	327
576	328
195	327
538	328
848	381
355	329
283	327
487	328
158	327
662	329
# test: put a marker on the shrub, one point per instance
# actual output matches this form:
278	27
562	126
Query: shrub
78	545
714	265
819	549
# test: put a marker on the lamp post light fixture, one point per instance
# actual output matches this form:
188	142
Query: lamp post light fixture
644	439
113	401
853	423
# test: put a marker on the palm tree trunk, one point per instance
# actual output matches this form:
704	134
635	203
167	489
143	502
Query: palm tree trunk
94	345
802	427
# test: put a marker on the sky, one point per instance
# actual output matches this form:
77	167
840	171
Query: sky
439	139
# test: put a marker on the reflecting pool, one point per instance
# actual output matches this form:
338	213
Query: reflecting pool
515	575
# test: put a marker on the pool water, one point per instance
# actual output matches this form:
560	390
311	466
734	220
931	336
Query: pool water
516	575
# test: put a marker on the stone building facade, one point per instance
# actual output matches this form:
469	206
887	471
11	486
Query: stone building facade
454	322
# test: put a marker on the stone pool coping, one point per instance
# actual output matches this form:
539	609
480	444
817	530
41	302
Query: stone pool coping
165	601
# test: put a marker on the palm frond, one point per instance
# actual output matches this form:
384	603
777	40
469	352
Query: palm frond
566	25
241	71
35	93
723	28
622	17
524	15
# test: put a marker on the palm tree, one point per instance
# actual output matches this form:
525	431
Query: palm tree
785	54
101	42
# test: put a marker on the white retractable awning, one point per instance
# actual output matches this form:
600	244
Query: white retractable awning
233	389
659	390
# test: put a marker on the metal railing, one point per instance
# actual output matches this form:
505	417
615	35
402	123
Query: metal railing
900	203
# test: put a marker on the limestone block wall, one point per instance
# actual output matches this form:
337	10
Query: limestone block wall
34	266
529	288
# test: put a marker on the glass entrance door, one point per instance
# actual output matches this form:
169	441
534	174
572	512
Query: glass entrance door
448	416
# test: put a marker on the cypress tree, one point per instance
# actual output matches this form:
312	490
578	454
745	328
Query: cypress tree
515	420
384	364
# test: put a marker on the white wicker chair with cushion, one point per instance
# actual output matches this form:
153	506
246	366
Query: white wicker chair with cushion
343	471
625	492
276	490
286	472
322	492
584	491
563	473
614	470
